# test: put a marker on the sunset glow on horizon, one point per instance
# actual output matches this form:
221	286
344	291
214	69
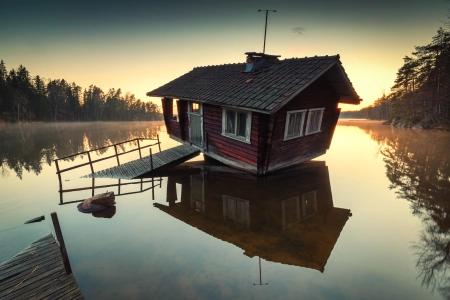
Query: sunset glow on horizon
138	46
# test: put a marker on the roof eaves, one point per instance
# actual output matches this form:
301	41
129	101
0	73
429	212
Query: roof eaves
350	85
274	109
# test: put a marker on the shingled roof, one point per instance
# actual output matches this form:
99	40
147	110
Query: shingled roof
266	89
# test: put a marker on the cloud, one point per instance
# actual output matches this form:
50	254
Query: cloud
299	30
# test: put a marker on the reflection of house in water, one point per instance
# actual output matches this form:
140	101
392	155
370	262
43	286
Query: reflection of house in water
286	217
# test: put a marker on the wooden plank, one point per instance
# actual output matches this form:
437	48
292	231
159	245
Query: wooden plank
34	254
41	273
45	289
19	272
37	272
161	160
17	269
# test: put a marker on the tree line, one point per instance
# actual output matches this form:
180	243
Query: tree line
27	98
421	89
28	146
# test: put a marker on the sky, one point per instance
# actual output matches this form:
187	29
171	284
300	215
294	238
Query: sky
140	45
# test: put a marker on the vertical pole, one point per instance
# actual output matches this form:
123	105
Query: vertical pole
141	183
159	143
139	146
153	188
151	159
260	276
265	27
62	245
93	186
90	162
265	31
60	182
117	156
118	188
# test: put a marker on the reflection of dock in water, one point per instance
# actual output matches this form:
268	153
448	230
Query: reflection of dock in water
287	217
154	182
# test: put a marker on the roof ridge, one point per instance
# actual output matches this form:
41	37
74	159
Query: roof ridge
314	57
222	65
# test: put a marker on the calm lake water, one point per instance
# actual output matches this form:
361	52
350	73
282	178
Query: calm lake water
368	220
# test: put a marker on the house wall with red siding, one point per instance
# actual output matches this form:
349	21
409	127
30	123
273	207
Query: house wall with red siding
228	148
176	128
283	153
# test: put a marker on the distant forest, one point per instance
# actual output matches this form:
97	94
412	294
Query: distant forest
27	98
420	93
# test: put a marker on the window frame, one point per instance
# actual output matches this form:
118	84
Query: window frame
308	122
314	204
288	118
284	212
235	218
248	125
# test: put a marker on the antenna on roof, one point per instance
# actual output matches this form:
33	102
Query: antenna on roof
265	29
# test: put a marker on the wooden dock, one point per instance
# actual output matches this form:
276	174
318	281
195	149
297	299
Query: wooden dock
38	272
148	165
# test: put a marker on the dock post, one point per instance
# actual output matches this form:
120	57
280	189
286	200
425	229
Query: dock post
90	162
62	245
139	147
159	143
153	188
60	182
151	159
117	156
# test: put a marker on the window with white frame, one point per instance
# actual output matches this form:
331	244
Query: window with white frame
294	124
314	122
236	124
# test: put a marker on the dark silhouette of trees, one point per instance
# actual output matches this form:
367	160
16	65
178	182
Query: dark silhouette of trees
27	146
26	98
421	90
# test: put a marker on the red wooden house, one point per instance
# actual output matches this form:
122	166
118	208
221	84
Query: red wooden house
259	116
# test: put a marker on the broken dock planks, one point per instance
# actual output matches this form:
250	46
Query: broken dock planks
141	167
38	272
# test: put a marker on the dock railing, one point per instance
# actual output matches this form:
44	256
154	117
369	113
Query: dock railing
116	154
154	183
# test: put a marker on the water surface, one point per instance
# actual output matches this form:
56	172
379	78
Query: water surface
367	220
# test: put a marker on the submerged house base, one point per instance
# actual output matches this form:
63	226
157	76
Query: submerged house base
261	116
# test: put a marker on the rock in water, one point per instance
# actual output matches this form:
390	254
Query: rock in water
98	202
103	199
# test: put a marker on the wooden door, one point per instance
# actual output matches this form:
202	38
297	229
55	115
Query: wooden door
196	123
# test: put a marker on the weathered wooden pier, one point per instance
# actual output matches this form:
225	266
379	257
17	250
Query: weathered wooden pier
144	166
148	164
40	271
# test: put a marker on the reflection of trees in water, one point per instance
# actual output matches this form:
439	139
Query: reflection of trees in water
433	252
28	146
418	167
